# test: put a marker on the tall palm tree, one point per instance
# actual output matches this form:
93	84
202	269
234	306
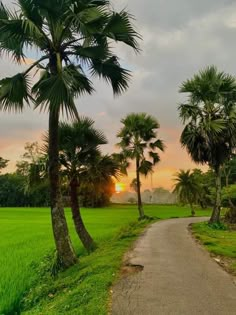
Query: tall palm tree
187	188
209	116
78	147
73	39
139	139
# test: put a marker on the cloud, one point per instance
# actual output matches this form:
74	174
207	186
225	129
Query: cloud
179	38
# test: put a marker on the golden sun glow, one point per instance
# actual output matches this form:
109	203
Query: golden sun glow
120	187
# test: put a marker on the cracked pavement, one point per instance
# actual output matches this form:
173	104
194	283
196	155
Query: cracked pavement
179	276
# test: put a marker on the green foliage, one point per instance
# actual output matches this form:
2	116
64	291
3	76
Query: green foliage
96	194
83	289
81	159
97	185
187	187
209	117
229	193
12	191
33	170
71	37
219	241
3	163
138	138
139	143
218	226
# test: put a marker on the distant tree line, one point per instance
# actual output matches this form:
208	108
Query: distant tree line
28	185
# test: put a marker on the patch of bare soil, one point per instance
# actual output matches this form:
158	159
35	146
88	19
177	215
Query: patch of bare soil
129	269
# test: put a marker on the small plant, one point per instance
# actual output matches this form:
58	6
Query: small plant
218	226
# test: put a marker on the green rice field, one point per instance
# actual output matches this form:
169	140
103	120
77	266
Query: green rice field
26	239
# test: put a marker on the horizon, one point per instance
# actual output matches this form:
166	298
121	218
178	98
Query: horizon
178	41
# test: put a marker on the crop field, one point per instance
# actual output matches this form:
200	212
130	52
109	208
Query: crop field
26	239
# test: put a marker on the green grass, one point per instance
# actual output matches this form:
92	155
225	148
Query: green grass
218	242
26	238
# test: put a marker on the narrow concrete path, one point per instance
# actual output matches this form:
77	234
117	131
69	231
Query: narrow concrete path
179	277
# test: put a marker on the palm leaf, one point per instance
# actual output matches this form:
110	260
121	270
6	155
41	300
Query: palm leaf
155	157
91	52
113	73
56	92
4	13
146	167
14	92
158	144
120	28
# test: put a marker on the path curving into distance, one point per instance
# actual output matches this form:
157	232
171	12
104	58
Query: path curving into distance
179	277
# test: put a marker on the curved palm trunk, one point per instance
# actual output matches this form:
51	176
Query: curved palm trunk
65	253
140	205
215	217
80	228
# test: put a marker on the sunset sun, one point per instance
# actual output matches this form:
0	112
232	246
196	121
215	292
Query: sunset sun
120	187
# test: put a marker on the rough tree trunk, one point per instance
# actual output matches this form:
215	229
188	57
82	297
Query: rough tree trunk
215	217
140	205
80	228
230	216
65	253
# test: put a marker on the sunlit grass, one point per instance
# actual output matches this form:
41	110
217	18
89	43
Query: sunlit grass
219	242
26	237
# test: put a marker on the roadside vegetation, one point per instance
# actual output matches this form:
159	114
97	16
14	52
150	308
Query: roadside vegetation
220	241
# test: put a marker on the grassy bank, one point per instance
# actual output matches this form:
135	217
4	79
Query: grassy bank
26	238
221	243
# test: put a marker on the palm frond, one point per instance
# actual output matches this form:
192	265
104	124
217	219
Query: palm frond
113	73
155	157
14	92
146	167
57	92
119	28
87	53
158	144
4	13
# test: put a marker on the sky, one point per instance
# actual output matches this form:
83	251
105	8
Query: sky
179	38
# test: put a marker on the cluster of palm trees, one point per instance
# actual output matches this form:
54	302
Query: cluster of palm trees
73	39
209	115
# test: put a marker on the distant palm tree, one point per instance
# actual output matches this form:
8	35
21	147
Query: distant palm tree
98	180
3	163
210	117
78	149
139	142
73	39
134	186
187	188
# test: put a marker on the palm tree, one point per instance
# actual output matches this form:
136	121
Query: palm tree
209	116
78	147
97	181
3	163
133	185
73	40
138	137
187	188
